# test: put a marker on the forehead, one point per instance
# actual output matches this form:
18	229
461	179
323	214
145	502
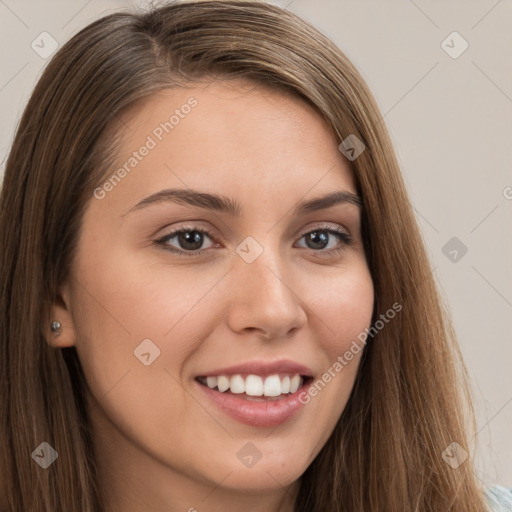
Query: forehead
226	134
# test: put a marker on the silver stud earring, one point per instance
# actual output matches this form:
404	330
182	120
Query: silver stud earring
56	328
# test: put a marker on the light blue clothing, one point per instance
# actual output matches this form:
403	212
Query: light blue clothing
499	499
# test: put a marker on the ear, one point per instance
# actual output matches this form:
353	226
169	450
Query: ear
61	312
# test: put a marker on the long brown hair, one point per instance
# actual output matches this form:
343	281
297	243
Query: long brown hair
410	399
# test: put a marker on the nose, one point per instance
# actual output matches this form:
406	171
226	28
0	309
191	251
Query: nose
265	298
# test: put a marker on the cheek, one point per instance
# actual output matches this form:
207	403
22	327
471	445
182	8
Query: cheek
343	311
126	300
344	306
137	326
127	309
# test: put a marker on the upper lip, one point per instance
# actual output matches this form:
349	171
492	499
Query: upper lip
261	368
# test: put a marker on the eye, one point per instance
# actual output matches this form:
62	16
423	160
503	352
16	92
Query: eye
321	237
190	239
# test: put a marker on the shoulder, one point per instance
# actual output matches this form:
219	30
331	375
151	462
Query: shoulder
499	498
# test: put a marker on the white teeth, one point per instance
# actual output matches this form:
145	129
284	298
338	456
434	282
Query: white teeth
272	386
222	383
237	384
254	385
295	383
285	385
211	382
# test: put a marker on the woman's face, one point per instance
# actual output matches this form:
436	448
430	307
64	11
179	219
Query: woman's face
264	296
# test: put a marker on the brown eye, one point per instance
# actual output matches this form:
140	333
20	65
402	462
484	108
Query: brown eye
319	239
185	240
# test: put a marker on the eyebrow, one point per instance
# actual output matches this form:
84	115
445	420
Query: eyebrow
227	205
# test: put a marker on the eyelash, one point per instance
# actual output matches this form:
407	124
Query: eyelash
344	237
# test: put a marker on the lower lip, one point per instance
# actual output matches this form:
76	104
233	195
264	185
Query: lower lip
257	414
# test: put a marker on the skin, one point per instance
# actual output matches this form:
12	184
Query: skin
161	444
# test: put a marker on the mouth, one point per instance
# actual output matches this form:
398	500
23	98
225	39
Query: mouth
258	394
258	388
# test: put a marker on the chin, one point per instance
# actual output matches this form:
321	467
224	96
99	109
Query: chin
260	481
257	471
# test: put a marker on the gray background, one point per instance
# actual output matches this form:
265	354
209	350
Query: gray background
451	122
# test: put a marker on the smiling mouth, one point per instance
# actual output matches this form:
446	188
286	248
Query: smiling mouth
255	387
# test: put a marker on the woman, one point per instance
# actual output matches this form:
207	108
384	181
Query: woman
215	295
